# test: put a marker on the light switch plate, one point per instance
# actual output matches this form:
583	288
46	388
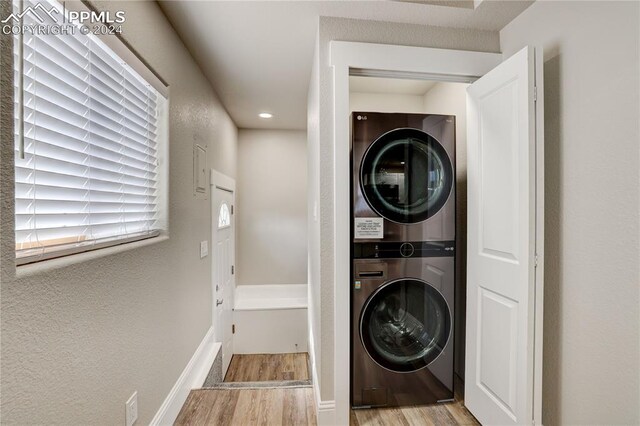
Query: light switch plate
204	249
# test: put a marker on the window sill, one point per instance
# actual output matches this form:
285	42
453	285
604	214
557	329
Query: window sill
47	265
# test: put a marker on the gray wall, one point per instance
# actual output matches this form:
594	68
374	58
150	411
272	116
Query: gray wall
320	137
591	72
78	337
271	204
386	102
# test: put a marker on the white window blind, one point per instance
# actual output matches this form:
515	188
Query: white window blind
86	146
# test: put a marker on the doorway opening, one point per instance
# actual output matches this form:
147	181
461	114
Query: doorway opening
258	286
505	236
439	108
259	289
223	242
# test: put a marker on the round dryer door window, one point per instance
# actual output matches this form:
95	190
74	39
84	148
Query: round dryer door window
406	176
405	325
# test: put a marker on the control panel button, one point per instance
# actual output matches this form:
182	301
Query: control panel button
406	250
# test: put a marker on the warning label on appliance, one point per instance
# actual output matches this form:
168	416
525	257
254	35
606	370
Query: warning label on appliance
368	227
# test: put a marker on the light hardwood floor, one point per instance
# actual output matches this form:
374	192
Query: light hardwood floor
453	413
267	367
295	406
449	413
267	406
264	406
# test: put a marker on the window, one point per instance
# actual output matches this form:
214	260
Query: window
224	218
89	140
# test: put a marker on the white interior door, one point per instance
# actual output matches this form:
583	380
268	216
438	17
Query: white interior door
223	271
504	289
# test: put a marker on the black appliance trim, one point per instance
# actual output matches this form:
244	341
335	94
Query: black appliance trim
395	250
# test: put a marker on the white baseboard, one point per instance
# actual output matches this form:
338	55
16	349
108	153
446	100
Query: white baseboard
192	377
325	410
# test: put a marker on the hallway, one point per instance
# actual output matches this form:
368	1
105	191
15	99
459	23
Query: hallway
258	389
275	389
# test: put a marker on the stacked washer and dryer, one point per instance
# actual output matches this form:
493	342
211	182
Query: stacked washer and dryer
403	258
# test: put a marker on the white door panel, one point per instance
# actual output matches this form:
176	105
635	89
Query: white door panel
502	240
224	286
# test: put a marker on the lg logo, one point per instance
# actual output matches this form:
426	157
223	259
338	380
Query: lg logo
361	117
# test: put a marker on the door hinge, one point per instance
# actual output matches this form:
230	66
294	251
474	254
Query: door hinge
231	208
535	93
233	329
233	269
535	260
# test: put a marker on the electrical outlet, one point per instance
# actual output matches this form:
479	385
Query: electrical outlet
131	409
204	249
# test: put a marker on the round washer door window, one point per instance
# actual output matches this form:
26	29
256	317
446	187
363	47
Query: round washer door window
405	325
406	176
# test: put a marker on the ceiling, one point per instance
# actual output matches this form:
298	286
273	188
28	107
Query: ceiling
258	54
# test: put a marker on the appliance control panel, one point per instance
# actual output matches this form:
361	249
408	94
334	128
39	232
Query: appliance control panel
403	249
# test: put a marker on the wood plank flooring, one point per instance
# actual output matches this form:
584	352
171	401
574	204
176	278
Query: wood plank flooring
453	413
267	367
265	406
295	405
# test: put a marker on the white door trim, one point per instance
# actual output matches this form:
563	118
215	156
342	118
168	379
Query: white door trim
222	181
538	326
369	56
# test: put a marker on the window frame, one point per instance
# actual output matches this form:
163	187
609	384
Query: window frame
124	52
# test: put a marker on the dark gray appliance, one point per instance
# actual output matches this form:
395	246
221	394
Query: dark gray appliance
403	258
403	169
402	327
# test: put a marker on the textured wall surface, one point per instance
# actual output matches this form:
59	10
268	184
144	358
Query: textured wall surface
591	309
322	135
272	207
386	102
80	335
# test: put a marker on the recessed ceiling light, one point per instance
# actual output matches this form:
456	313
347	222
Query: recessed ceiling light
265	115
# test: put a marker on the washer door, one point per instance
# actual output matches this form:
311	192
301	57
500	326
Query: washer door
405	324
406	176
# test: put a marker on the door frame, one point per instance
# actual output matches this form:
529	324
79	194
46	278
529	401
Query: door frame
221	181
399	62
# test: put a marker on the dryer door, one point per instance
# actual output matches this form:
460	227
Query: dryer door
406	175
405	324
